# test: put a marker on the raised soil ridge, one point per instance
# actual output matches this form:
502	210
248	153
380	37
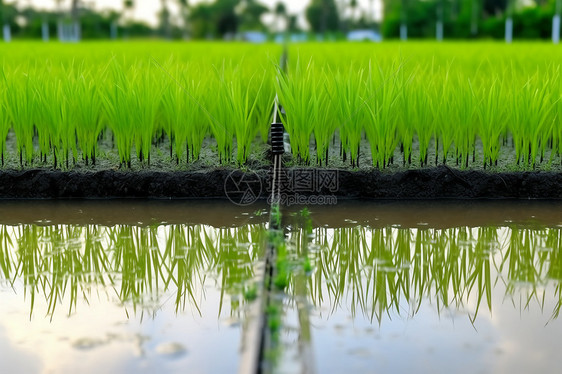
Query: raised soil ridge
439	182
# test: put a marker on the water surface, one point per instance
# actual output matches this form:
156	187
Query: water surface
129	286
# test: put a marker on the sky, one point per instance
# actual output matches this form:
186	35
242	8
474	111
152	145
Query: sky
146	10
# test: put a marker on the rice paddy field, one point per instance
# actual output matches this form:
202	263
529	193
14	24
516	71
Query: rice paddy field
311	280
388	106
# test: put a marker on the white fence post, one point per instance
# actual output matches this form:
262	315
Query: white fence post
508	30
556	29
7	33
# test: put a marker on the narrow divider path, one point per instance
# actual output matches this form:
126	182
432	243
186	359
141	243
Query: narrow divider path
279	317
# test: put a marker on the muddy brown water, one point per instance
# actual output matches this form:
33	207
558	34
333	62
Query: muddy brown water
144	286
222	213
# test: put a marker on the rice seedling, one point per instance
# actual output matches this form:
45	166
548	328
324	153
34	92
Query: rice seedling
532	120
4	124
381	104
348	90
21	107
119	102
240	95
298	93
146	92
86	104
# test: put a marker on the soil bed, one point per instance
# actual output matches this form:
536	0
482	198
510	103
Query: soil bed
168	177
439	182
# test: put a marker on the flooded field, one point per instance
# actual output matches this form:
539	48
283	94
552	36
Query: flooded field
125	286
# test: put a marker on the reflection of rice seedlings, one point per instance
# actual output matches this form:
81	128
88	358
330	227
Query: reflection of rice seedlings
138	265
28	265
554	244
187	254
376	270
6	245
69	262
233	262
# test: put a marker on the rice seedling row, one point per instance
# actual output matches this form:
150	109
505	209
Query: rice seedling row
383	106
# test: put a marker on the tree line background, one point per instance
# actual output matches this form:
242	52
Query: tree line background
461	19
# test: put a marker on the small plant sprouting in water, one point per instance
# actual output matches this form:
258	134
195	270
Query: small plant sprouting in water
282	268
275	216
250	292
307	266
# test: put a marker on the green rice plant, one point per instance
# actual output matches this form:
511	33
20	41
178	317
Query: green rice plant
556	141
119	102
21	105
55	121
299	91
145	96
218	118
490	111
347	92
405	115
381	104
447	114
86	104
239	94
47	119
325	123
5	124
532	122
263	114
463	111
179	118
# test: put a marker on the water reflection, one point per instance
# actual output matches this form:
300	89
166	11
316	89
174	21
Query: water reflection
356	297
139	265
483	299
393	270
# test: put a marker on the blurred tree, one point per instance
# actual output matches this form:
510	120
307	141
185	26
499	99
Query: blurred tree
494	7
7	14
292	23
250	13
201	21
126	16
74	10
164	18
354	7
476	6
226	17
322	16
184	11
280	13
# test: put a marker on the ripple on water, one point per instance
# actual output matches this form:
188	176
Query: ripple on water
86	344
171	350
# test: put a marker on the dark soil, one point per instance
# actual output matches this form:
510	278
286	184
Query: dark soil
440	182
